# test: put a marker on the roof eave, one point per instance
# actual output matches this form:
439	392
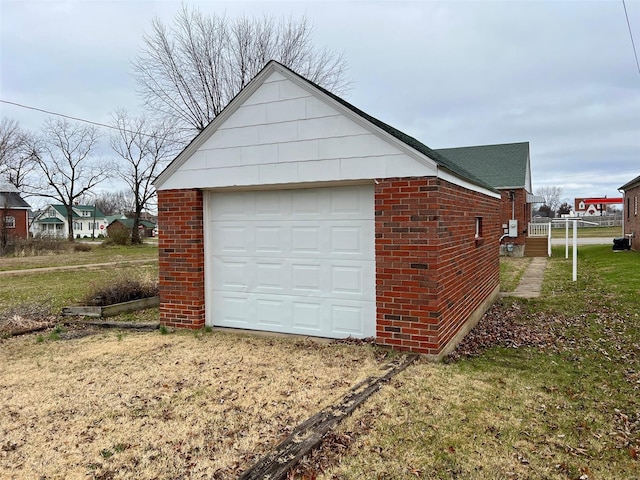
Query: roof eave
632	184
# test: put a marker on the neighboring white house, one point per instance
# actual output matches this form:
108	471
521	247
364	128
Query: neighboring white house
87	222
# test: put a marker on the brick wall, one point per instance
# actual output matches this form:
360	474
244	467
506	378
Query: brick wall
181	258
520	211
432	275
21	216
631	215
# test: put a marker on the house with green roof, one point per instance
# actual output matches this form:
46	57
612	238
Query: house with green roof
295	212
507	168
146	227
88	222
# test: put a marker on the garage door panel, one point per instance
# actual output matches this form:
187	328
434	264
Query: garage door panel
272	204
269	239
306	279
350	203
272	313
231	239
305	239
306	203
347	280
270	277
347	319
233	311
307	317
232	274
296	261
233	206
346	240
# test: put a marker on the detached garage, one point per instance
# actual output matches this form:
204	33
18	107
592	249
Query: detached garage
295	212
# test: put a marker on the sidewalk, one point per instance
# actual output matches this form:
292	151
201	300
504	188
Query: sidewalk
75	267
530	284
584	240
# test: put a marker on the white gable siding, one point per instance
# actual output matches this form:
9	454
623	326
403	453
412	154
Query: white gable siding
283	134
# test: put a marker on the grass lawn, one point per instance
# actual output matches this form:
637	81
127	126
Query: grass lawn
511	271
207	404
66	287
98	254
588	232
566	411
148	406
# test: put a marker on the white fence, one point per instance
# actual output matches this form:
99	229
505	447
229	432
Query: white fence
602	221
538	229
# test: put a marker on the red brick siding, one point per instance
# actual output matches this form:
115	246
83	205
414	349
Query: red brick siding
431	274
21	229
631	216
518	209
181	258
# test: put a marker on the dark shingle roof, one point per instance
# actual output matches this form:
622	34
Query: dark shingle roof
50	220
12	200
501	166
631	184
63	211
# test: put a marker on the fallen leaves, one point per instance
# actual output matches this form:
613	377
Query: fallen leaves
505	325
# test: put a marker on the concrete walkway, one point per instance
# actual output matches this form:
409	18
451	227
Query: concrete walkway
530	284
90	266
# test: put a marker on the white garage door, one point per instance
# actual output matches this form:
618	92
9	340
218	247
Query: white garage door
293	261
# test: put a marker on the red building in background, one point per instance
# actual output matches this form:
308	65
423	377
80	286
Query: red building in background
14	213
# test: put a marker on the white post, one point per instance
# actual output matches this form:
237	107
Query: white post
575	250
549	241
566	238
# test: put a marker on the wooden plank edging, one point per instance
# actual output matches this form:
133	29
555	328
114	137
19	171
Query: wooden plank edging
309	434
111	310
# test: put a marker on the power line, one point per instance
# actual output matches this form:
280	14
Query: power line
635	53
84	120
60	115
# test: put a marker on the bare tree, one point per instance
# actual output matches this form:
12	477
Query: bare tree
111	202
146	148
189	71
64	159
551	195
16	161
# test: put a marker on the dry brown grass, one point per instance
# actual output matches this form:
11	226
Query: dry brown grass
146	405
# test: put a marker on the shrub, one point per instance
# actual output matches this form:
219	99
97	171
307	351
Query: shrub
81	247
40	245
118	236
121	290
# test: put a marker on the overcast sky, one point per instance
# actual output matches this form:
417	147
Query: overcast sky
560	75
